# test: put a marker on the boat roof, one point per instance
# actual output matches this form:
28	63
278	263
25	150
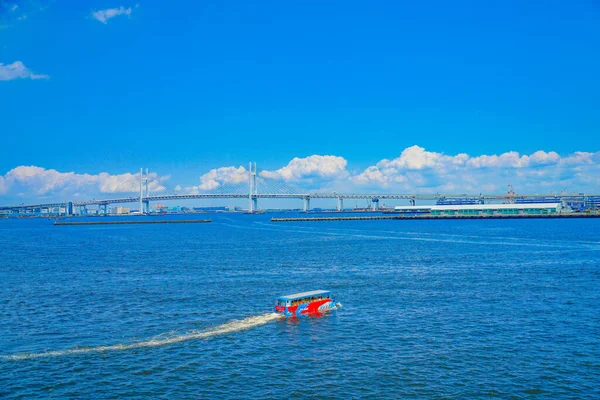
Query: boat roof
296	296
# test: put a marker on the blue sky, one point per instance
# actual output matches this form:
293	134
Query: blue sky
185	88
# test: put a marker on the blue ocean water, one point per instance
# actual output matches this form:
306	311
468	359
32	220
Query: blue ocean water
454	309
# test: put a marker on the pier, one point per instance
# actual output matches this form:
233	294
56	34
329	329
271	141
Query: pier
437	217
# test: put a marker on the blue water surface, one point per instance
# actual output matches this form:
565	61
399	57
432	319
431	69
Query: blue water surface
454	309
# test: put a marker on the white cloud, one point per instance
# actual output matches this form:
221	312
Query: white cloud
541	157
14	7
581	157
104	15
416	157
18	70
37	181
217	177
414	170
191	189
328	167
419	169
379	175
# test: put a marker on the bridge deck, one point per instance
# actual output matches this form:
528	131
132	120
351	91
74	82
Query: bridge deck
316	195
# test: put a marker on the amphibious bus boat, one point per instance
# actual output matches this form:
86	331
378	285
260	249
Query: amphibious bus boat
306	303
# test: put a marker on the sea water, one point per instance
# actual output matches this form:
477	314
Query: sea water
455	309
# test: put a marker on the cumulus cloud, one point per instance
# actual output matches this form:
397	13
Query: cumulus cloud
541	157
417	158
217	177
414	170
38	181
104	15
18	70
419	169
581	158
328	167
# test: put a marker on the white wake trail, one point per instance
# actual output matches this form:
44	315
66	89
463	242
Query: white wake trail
229	327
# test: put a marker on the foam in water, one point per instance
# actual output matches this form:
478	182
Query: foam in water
229	327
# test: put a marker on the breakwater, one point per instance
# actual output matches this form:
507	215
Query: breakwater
183	221
437	217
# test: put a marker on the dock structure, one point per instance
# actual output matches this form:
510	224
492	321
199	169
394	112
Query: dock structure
181	221
369	218
437	217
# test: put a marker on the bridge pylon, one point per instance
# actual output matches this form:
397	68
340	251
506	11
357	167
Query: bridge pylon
375	204
147	202
252	188
141	190
306	203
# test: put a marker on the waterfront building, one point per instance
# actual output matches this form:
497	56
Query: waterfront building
412	210
213	208
532	200
482	209
593	202
452	202
121	210
498	209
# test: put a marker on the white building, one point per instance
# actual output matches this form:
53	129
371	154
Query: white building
483	209
498	209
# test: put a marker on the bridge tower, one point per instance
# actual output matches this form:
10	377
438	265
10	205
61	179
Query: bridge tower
375	204
147	202
252	188
306	203
141	190
340	206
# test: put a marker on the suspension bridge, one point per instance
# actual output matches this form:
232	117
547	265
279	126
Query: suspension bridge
252	187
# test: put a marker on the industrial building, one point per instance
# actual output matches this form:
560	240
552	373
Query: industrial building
482	209
412	210
121	210
455	202
498	209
